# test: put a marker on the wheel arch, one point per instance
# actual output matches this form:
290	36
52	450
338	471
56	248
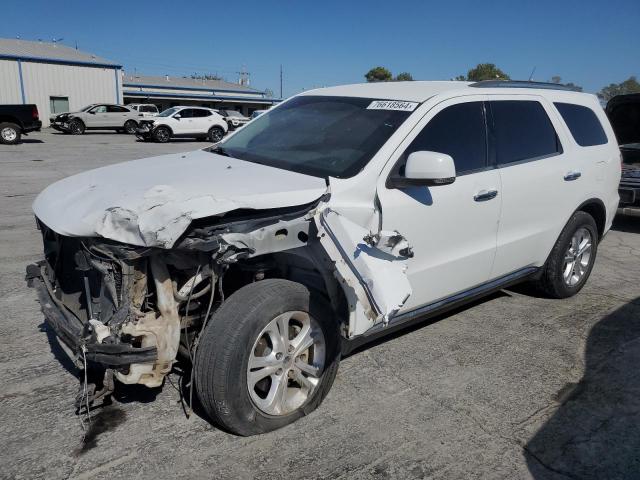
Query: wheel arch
10	119
165	126
595	207
306	266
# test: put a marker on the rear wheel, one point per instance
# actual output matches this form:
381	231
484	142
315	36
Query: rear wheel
268	357
162	134
76	127
130	127
9	133
571	260
215	134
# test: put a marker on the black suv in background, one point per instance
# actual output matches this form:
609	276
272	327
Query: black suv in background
18	120
624	113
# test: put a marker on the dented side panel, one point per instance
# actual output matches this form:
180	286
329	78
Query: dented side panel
372	266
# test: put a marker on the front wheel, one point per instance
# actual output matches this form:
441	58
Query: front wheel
571	260
215	134
130	127
268	357
9	133
162	134
76	127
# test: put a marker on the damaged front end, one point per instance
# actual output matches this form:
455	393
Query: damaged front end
128	311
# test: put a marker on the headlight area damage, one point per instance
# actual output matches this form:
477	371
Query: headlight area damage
125	312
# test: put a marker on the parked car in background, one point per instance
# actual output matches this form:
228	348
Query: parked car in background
144	109
234	118
257	113
18	120
624	114
98	116
189	122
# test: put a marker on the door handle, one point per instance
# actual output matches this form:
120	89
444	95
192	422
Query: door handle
484	195
572	176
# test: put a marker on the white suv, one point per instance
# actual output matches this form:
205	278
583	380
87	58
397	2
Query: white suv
338	216
191	122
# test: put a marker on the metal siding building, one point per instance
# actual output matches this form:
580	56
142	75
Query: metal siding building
55	76
169	91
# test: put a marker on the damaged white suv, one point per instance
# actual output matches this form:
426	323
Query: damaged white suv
338	216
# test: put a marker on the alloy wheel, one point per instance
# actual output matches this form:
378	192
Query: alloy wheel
286	363
9	134
577	257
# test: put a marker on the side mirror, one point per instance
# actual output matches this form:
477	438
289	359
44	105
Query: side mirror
92	112
425	169
177	116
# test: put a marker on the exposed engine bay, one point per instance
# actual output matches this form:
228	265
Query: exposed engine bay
126	312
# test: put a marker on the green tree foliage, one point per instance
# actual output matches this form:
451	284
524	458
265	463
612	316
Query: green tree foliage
378	74
557	79
484	71
630	85
404	77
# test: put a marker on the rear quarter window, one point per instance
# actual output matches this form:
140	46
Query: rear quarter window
583	124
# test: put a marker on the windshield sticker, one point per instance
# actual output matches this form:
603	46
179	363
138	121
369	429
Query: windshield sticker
392	105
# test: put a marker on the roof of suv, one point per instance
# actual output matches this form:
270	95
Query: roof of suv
419	91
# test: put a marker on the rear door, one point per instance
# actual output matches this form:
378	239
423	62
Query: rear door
201	120
117	115
541	182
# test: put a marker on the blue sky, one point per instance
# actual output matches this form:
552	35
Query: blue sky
332	42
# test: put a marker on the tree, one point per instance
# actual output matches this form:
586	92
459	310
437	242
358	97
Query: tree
484	71
630	85
558	80
573	86
404	77
378	74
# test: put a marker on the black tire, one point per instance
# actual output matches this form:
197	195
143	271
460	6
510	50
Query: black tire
76	127
552	282
10	133
130	127
215	134
162	134
225	346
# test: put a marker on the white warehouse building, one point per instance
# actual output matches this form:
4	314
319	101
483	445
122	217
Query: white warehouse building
55	77
58	78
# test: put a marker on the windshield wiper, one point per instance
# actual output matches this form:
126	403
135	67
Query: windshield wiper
221	151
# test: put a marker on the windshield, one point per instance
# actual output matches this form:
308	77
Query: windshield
233	113
168	112
316	135
88	107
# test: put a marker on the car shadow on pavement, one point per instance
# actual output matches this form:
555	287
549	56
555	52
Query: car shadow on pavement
595	432
626	223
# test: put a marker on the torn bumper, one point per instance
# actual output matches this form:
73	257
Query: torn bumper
76	334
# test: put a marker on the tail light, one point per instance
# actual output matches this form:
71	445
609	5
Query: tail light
34	113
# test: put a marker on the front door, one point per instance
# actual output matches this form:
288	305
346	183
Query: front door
98	117
451	228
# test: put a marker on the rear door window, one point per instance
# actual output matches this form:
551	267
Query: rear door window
116	109
458	131
583	124
521	131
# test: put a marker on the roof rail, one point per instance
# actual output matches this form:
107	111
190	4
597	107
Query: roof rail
521	84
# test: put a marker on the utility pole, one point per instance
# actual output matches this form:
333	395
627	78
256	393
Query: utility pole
280	81
243	78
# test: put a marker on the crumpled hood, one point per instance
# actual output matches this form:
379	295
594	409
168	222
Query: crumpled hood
151	202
